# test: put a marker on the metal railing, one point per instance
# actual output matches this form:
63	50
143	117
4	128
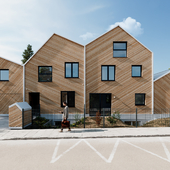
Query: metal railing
118	117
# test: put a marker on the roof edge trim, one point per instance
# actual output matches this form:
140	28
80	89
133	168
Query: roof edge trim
37	51
162	76
123	30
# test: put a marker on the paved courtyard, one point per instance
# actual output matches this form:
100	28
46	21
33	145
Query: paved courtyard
107	153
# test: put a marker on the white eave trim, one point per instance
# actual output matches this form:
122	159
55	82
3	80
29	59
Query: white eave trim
162	76
123	30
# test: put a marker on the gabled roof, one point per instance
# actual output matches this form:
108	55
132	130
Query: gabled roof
87	43
47	41
22	105
161	74
124	31
10	61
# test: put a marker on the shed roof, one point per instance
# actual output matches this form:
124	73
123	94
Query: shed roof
22	105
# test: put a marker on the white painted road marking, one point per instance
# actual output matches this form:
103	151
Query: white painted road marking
111	155
56	149
165	149
109	160
146	151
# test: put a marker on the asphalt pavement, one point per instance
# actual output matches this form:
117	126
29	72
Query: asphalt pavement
86	154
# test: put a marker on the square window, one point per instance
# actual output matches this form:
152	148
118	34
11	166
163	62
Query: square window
136	71
108	73
140	99
4	75
119	49
45	73
71	70
69	97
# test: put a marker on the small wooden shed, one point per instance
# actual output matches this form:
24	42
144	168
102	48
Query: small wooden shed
20	115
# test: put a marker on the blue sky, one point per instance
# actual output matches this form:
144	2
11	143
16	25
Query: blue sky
24	22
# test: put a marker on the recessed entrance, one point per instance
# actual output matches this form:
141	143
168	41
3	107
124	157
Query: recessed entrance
100	102
34	101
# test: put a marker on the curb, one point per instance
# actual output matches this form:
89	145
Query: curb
85	137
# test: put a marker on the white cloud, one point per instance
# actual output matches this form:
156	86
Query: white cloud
86	36
130	25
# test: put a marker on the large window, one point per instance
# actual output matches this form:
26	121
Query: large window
140	99
136	71
71	70
108	73
45	74
69	97
4	75
119	49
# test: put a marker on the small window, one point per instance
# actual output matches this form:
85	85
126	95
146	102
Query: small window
108	73
140	99
119	49
69	97
72	70
45	74
4	75
136	71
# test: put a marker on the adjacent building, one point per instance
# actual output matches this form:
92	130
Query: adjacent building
11	84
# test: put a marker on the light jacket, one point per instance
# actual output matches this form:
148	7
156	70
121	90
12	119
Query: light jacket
65	113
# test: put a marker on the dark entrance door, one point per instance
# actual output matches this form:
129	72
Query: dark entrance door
100	102
34	101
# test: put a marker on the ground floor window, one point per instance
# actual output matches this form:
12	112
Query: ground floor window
140	99
69	97
100	102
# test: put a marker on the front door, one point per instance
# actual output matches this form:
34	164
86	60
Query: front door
100	102
34	101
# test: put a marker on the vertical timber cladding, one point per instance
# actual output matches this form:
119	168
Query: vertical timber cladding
11	91
55	52
100	52
162	95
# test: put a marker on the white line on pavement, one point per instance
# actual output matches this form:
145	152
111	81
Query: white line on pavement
111	155
146	151
56	149
165	149
113	152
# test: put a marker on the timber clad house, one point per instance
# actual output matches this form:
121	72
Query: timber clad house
114	71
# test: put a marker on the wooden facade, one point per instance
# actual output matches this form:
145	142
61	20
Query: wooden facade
55	52
11	91
17	119
59	50
100	52
162	95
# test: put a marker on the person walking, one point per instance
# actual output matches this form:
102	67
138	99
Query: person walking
65	115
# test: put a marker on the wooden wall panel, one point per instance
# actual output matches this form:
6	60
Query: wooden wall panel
27	117
15	117
10	91
162	94
100	52
55	53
